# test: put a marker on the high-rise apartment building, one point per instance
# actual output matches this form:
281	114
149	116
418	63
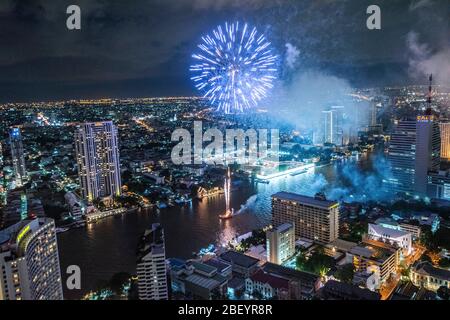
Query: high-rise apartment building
280	243
439	184
18	157
151	265
97	153
402	156
428	151
29	261
314	218
445	140
1	156
333	125
414	151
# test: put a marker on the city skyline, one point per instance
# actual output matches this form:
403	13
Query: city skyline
135	160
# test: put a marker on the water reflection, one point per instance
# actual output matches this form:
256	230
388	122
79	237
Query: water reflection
109	246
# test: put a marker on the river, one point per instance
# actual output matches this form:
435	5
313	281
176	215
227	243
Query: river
109	246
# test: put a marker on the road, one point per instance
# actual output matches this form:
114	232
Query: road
388	288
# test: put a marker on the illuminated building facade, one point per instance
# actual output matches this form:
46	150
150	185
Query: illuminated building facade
18	157
414	151
439	184
29	261
151	266
423	274
376	256
398	237
97	153
280	243
445	140
315	218
1	156
333	125
402	155
428	151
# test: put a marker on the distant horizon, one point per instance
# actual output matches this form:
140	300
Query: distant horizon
425	84
145	49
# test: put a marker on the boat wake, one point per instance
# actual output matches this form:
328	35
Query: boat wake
248	204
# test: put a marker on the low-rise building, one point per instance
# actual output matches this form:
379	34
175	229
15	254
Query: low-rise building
76	207
258	252
196	280
338	250
368	279
335	290
267	286
408	291
394	237
224	269
240	263
423	274
302	285
374	253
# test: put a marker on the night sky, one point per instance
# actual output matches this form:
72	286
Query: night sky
143	48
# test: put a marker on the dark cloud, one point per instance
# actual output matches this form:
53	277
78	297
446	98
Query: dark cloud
143	47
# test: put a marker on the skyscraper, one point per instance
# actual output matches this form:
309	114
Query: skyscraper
428	151
445	140
98	160
1	156
280	243
151	265
414	151
29	261
333	125
315	218
18	157
373	113
402	156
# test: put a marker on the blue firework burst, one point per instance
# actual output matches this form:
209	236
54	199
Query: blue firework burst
235	67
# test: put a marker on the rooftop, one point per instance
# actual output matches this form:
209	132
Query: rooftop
204	268
427	269
202	281
341	290
282	228
342	245
239	259
220	266
383	231
272	280
304	277
374	250
151	241
408	291
311	201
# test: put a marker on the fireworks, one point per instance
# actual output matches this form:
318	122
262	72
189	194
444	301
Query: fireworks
235	67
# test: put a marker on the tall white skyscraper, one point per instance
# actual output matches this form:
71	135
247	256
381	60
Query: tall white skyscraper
151	265
333	125
18	157
29	261
97	153
280	243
